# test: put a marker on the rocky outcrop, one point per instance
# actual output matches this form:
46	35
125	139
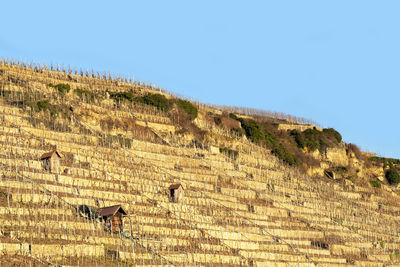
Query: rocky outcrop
336	155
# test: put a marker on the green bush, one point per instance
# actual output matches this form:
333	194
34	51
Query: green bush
270	139
392	176
122	96
310	138
298	138
334	133
42	105
281	152
257	134
188	107
375	184
54	110
253	130
62	88
233	116
156	100
386	161
314	139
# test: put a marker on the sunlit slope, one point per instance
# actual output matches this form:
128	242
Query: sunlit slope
122	144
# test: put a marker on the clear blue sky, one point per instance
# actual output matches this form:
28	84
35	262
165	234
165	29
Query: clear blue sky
335	62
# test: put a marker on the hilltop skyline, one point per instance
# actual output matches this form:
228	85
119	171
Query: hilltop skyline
334	64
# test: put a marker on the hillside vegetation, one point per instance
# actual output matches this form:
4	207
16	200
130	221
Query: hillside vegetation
260	188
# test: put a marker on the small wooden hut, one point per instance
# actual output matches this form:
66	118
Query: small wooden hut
113	217
176	193
51	161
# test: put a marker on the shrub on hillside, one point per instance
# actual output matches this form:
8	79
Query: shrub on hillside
298	138
252	129
375	184
257	134
392	176
314	139
281	152
188	107
122	96
309	138
61	87
61	111
233	116
386	161
157	100
270	139
334	133
42	105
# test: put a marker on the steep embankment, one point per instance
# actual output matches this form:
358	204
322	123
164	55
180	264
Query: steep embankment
258	191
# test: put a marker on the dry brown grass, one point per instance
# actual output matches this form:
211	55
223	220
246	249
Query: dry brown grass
19	260
356	151
226	122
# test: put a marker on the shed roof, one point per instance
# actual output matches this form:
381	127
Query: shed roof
50	154
111	211
175	186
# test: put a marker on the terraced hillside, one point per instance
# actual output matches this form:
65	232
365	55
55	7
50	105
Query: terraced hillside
120	144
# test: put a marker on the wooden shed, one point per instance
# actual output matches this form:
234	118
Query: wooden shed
176	193
113	217
51	161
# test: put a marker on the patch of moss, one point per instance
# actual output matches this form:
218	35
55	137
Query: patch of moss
375	184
